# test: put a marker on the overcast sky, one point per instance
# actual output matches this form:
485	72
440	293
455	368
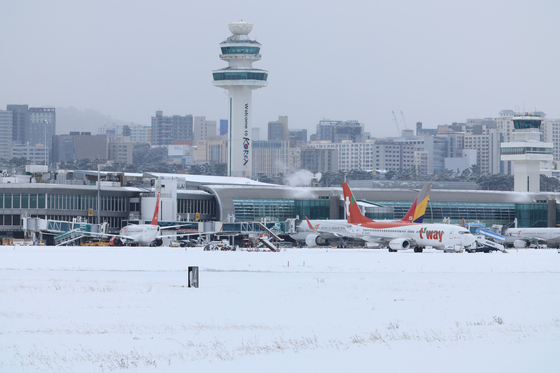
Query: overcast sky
438	61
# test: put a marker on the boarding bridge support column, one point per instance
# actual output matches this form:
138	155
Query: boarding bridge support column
552	206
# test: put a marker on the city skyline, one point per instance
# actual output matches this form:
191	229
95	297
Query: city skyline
438	63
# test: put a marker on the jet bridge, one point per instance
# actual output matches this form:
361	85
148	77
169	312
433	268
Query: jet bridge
56	232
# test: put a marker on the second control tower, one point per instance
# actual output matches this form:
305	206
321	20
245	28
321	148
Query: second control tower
527	152
240	78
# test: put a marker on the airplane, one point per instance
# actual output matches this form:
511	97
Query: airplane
399	235
141	234
524	237
318	232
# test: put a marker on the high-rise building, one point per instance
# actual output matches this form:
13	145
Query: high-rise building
169	129
278	130
35	154
351	155
140	133
78	145
20	118
319	160
203	129
337	131
41	126
35	125
6	129
298	137
120	151
272	158
223	127
240	79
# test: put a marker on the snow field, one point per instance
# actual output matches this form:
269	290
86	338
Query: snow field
106	309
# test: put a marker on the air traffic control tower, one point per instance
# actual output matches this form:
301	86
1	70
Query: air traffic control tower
527	151
240	78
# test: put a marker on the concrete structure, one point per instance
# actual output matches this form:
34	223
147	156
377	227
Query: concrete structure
41	126
203	129
120	151
6	129
459	164
487	144
272	158
278	130
216	149
294	158
20	118
240	79
351	155
78	145
551	133
337	131
32	126
298	137
223	127
169	129
527	152
180	155
35	154
319	160
139	134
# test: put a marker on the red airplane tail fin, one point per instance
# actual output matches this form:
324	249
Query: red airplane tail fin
353	213
156	212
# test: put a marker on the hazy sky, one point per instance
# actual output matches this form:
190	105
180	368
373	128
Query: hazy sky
438	61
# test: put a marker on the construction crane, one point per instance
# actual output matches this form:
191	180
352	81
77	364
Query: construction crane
396	122
404	122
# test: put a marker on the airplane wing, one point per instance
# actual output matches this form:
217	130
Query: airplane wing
108	235
533	240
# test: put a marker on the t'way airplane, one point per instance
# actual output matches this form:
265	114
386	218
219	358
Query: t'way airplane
401	235
139	234
318	232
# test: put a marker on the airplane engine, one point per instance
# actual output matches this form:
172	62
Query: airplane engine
156	242
115	241
400	244
314	240
520	244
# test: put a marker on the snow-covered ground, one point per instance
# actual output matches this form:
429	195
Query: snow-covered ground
299	310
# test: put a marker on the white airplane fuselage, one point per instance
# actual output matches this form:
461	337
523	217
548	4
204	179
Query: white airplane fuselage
327	228
142	234
438	236
533	235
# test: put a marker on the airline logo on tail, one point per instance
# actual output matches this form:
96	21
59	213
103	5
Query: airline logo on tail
414	215
349	202
353	213
418	209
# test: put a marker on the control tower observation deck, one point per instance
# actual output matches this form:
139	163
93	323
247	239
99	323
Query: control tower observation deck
240	79
527	152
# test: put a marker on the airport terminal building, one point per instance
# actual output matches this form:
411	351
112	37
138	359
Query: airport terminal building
121	198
